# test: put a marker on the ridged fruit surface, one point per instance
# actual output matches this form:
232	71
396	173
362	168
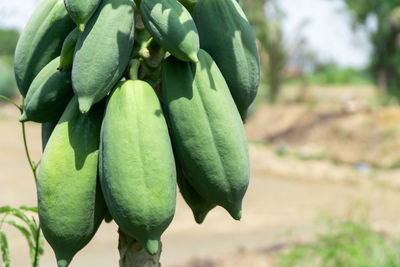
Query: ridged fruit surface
103	51
71	206
137	167
172	26
40	41
207	131
228	37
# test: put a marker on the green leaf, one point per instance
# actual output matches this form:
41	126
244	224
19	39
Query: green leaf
4	249
27	234
31	209
20	214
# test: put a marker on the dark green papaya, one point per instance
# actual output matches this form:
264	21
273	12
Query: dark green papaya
137	167
68	48
41	41
70	202
103	51
228	37
207	131
81	11
172	26
47	130
199	205
49	94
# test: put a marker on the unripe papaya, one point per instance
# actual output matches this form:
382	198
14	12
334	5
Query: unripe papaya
228	37
102	51
71	206
136	166
81	11
68	48
199	205
172	26
41	41
48	94
47	130
207	131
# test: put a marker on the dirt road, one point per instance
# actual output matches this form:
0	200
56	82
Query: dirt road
283	199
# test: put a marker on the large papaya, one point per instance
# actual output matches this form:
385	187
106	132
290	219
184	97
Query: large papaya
71	206
207	131
199	205
102	51
48	94
228	37
137	168
41	41
68	48
172	26
81	11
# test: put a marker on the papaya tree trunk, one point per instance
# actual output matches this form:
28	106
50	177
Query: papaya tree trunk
132	254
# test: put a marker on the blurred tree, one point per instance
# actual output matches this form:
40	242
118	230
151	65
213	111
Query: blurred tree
385	39
8	42
268	31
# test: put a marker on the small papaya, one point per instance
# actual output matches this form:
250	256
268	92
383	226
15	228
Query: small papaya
40	41
103	51
68	48
81	11
207	131
140	193
47	130
70	202
228	37
172	26
48	94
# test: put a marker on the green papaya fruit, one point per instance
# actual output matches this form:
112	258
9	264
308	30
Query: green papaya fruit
172	26
81	11
199	205
136	166
41	41
103	51
228	37
207	131
70	202
68	48
47	130
48	94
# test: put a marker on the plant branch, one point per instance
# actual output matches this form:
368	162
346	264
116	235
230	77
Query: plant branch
11	102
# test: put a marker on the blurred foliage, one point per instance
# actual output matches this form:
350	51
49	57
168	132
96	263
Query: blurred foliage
385	39
8	42
268	31
344	244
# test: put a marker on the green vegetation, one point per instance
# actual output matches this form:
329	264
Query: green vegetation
344	244
8	42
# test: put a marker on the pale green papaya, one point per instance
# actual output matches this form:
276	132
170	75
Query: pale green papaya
172	26
41	41
199	205
228	37
70	202
68	48
136	165
48	94
81	11
103	51
207	131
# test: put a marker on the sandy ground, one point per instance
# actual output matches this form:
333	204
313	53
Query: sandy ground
284	198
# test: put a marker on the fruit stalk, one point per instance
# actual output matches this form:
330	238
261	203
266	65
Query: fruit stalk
132	254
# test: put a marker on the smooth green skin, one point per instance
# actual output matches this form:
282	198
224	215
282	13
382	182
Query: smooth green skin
172	26
47	130
207	131
228	37
137	167
68	49
199	205
81	11
71	206
41	41
103	50
48	94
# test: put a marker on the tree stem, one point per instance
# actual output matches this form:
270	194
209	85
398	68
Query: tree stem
132	253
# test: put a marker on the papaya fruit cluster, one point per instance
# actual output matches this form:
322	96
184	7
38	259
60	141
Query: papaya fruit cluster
135	98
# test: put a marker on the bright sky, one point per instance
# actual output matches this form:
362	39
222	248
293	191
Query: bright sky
328	31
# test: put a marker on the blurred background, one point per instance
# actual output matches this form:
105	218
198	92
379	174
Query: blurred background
324	140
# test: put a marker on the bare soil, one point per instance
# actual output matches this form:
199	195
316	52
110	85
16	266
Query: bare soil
290	187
